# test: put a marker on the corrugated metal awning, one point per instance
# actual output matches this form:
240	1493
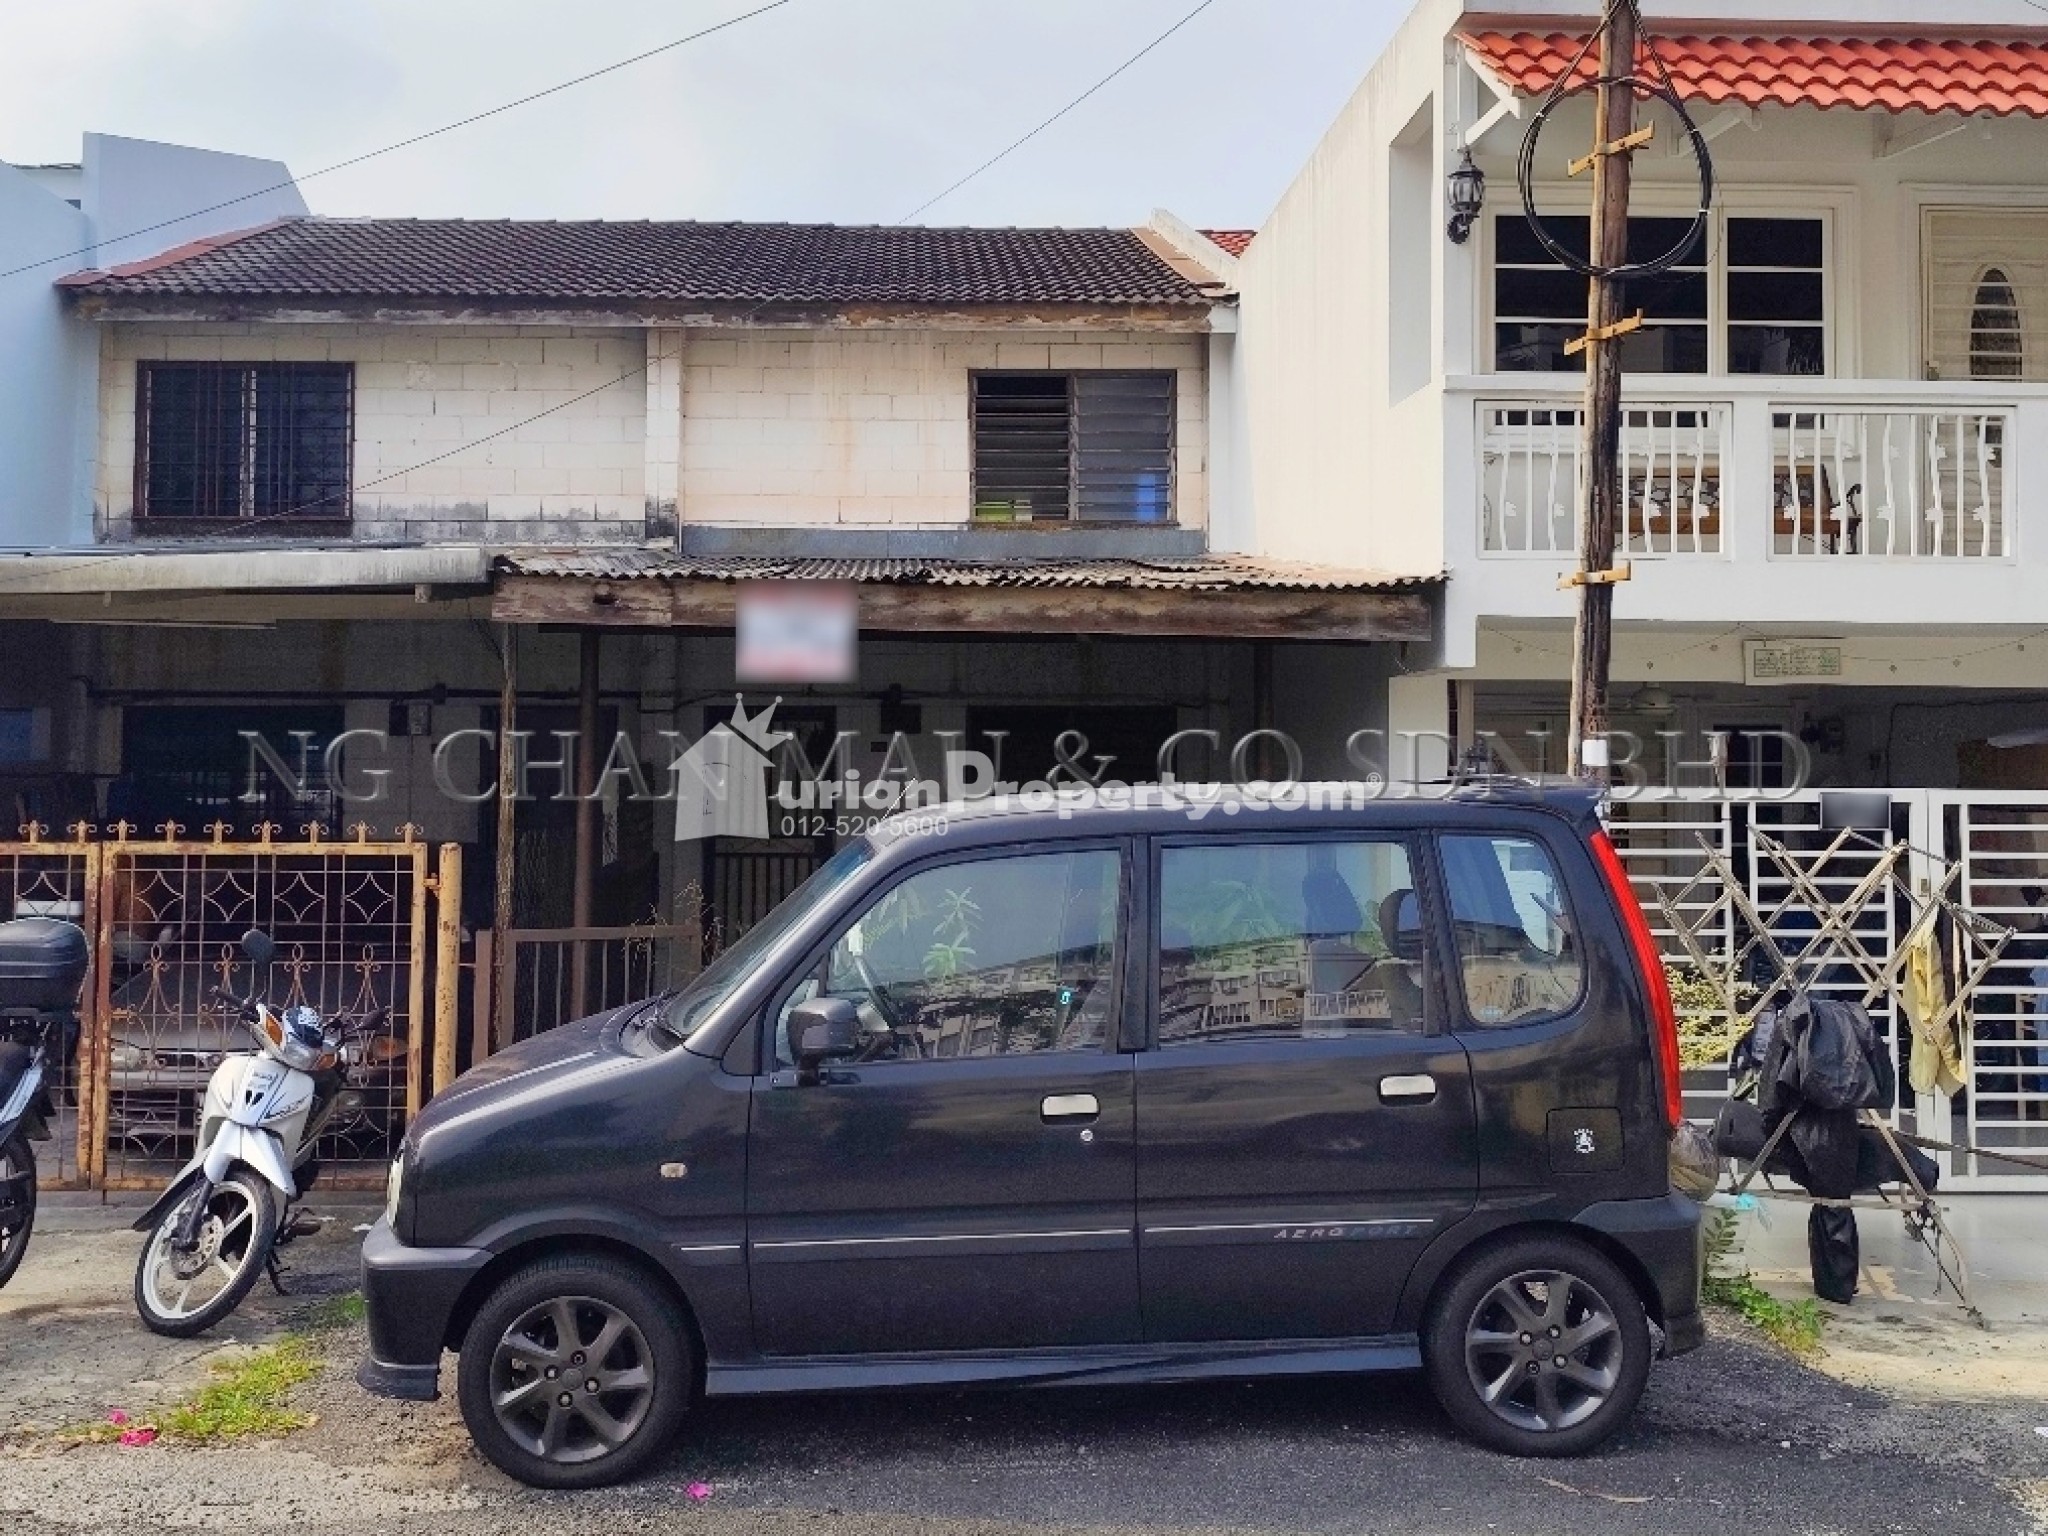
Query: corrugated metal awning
1197	573
1203	596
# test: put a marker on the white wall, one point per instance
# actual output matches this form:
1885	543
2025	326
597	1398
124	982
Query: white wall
49	362
841	428
46	364
1341	472
420	392
144	197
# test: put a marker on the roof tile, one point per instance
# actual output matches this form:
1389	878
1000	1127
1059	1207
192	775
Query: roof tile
627	263
2007	77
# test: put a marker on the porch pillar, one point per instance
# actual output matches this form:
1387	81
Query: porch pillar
586	818
1419	742
508	781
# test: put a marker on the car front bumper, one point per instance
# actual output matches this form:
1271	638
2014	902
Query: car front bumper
410	1294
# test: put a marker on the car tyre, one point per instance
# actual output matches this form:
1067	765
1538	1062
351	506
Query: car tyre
575	1372
1501	1323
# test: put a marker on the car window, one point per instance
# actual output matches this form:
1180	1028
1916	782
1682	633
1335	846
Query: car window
1294	940
737	961
986	957
1518	949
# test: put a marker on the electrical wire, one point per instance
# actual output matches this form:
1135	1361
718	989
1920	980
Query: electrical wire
798	261
1661	89
418	138
1018	143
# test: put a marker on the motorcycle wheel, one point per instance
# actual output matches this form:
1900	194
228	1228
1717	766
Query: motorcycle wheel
180	1294
15	1157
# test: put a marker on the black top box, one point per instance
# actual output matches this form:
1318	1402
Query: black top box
42	964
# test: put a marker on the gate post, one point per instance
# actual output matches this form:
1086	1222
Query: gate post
447	965
95	1003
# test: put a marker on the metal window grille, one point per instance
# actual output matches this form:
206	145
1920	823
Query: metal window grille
227	442
1073	447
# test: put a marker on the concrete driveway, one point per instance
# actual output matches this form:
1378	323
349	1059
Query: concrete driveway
1736	1438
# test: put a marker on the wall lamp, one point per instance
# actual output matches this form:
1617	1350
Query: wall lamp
1465	190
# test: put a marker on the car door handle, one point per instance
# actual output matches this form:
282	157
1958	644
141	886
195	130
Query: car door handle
1407	1088
1069	1106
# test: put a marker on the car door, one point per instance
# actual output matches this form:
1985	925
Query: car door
966	1182
1305	1125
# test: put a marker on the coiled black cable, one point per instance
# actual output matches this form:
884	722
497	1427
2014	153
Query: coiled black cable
1660	89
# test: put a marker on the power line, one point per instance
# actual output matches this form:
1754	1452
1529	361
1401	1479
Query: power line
418	138
631	373
1016	144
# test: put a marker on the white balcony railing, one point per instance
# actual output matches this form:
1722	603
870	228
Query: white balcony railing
1531	468
1785	469
1890	483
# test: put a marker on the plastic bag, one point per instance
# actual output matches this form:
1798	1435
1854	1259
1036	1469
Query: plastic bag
1695	1166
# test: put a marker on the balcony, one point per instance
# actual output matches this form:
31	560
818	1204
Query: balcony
1738	491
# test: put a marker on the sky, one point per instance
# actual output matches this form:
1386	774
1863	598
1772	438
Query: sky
849	111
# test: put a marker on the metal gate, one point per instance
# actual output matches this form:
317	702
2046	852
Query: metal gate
1997	842
164	915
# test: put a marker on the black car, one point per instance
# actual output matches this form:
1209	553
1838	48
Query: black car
1184	1088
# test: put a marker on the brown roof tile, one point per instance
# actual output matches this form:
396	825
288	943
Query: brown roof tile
624	263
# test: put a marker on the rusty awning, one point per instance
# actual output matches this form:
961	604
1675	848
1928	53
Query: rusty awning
1209	596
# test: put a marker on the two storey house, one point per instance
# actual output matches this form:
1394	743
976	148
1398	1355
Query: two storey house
382	475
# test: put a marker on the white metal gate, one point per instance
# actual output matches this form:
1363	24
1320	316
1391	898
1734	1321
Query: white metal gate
1999	840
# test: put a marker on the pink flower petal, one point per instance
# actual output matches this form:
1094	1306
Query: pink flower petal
699	1490
116	1416
143	1436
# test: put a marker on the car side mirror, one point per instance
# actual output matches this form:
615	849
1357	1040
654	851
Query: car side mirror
820	1030
258	948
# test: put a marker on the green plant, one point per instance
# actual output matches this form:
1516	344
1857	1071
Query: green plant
1233	912
247	1396
950	949
1706	1032
1794	1326
337	1311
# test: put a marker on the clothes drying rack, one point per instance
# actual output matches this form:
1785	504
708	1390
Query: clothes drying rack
1837	942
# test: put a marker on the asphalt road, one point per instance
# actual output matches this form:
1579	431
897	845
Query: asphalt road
1735	1438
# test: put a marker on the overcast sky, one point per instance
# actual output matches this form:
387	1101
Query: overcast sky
853	111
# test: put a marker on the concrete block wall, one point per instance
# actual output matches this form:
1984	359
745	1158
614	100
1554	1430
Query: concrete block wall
572	476
871	428
749	429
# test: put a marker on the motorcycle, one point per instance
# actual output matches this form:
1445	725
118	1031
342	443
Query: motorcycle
42	964
223	1218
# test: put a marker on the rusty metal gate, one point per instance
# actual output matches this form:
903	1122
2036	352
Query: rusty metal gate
164	914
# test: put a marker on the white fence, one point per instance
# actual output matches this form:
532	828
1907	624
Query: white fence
2000	841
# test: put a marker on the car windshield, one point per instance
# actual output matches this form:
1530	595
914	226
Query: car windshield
695	1002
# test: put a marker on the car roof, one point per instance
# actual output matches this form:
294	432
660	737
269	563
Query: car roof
1086	811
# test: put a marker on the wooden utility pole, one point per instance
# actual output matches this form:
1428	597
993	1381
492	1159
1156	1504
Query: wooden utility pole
1614	142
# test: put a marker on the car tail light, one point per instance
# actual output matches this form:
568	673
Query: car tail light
1650	963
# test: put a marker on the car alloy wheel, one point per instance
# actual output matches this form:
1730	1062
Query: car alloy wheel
1543	1350
572	1379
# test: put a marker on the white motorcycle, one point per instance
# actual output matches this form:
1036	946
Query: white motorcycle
220	1223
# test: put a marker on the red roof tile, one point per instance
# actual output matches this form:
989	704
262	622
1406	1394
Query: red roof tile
1893	74
1232	240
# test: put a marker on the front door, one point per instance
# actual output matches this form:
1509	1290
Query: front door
1305	1127
967	1181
